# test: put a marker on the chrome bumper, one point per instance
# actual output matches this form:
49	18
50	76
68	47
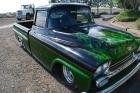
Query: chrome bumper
121	81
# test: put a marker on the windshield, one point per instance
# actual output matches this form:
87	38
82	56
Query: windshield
69	16
26	6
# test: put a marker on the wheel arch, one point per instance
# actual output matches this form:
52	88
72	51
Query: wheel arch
28	13
59	61
78	73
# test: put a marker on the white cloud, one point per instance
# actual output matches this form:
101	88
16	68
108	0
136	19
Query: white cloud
14	5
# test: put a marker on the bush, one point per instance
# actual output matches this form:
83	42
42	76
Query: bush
103	13
128	16
97	16
116	13
138	23
126	19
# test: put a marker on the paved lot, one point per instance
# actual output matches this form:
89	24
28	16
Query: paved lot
19	73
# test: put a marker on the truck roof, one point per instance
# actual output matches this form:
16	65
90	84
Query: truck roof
51	5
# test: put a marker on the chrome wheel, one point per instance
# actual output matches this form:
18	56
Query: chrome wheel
21	44
68	75
20	41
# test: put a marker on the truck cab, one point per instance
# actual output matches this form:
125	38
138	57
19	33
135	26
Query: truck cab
26	12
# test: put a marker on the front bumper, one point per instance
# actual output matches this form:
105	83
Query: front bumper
121	81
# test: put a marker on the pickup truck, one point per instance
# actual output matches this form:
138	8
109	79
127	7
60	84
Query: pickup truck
91	58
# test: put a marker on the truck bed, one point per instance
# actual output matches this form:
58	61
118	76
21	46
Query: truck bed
22	30
27	24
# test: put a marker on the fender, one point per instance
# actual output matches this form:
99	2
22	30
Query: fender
137	40
79	74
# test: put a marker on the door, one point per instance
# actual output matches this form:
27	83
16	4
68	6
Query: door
39	42
37	32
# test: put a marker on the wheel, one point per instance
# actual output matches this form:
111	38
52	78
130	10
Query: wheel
19	19
68	76
28	17
21	44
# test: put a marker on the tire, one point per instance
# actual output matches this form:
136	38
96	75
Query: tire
21	44
19	19
28	17
68	77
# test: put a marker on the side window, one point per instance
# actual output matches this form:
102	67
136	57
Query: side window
41	18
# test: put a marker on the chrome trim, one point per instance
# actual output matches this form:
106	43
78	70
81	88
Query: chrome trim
99	82
112	73
68	75
129	57
121	81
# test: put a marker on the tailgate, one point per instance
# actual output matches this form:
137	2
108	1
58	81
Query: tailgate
21	34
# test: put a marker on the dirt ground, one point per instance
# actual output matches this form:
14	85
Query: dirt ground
20	73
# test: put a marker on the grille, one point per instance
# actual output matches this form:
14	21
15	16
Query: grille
120	63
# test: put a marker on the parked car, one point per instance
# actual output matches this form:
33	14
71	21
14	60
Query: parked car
26	12
65	39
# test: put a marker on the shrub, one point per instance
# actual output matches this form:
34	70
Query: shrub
116	13
97	16
128	16
138	23
103	13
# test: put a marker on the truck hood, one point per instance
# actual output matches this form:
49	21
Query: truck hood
107	44
101	43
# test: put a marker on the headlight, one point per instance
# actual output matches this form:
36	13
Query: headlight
102	69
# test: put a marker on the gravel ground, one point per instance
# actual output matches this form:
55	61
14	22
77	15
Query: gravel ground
6	21
20	73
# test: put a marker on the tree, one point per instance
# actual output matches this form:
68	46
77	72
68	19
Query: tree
134	4
111	6
98	3
128	4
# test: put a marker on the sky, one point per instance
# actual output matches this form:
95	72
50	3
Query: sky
14	5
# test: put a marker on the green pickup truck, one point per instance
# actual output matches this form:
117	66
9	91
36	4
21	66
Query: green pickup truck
92	58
